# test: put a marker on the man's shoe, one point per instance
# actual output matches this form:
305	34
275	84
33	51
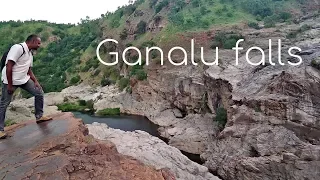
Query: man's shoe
43	119
2	135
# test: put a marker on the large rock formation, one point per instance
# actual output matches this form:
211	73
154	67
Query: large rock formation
152	151
61	149
260	147
273	123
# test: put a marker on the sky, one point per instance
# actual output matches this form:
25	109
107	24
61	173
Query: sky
58	11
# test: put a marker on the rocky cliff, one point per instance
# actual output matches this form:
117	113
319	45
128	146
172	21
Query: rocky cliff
273	114
272	131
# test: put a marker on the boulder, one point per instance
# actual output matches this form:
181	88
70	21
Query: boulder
151	151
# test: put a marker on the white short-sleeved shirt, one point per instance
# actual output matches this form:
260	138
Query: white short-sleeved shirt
21	66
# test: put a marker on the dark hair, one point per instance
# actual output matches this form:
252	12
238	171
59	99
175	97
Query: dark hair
32	37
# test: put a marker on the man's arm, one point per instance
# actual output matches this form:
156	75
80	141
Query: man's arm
9	66
33	78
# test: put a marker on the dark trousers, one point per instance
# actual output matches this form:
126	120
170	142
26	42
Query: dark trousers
6	100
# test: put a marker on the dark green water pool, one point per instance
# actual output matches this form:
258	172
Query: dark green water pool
123	122
131	123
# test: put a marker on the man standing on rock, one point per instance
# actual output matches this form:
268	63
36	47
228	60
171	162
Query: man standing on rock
17	73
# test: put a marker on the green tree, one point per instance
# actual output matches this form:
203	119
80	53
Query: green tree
75	80
195	3
123	83
258	7
141	27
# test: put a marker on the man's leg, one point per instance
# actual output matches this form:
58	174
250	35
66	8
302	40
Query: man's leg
38	97
4	103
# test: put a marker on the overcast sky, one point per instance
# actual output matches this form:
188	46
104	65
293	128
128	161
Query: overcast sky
59	11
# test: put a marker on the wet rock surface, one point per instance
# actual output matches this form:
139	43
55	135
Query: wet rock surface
61	149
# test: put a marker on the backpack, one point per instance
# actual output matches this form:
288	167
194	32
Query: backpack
4	57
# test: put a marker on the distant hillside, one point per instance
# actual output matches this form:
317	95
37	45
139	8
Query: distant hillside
168	23
17	31
68	56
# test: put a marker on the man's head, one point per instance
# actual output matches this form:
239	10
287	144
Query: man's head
33	41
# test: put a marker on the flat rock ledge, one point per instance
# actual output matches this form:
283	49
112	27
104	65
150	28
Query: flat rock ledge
62	149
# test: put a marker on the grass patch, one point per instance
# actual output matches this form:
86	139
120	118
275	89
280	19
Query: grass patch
168	35
123	83
207	15
9	122
141	75
254	25
315	64
65	107
75	79
108	112
80	106
138	72
112	74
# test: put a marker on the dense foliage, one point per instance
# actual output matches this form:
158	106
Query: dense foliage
204	13
58	59
80	106
109	112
